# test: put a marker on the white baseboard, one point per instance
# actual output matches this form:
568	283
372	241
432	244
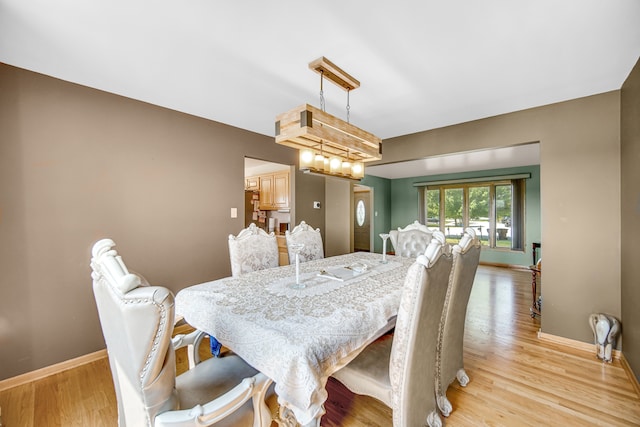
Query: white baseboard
180	328
591	348
631	375
509	266
51	370
578	345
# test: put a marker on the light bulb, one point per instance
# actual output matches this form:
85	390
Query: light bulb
346	168
306	159
334	165
319	162
357	170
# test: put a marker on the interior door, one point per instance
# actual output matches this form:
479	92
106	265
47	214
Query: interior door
361	219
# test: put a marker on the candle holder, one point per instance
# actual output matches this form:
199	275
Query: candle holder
296	248
384	237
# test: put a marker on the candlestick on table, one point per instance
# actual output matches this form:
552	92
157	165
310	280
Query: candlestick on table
384	237
296	248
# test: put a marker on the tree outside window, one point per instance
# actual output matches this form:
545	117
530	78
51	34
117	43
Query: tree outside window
487	207
479	212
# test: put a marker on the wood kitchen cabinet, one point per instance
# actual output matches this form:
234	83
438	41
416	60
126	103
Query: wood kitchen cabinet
252	183
274	191
266	192
281	190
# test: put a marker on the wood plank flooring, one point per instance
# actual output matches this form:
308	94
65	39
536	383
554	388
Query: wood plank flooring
516	379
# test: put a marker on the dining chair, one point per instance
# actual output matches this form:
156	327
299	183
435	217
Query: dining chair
399	369
252	249
449	357
411	240
312	240
137	324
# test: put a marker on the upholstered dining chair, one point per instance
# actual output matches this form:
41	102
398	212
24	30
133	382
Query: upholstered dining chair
137	324
411	240
312	239
252	249
399	369
449	358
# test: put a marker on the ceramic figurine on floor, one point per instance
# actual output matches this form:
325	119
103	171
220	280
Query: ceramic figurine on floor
605	332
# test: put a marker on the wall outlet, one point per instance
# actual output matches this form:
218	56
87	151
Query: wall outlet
316	205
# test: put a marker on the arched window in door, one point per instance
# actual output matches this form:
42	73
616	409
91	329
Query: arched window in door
361	212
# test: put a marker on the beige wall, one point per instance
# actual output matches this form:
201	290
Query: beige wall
338	216
77	165
630	217
580	198
310	188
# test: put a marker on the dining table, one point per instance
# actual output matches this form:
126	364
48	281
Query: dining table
299	335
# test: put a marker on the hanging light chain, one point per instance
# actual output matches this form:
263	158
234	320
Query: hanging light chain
348	106
321	91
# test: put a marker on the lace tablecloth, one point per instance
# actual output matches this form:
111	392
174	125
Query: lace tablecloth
299	337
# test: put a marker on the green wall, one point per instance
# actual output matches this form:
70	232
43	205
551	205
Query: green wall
381	190
396	203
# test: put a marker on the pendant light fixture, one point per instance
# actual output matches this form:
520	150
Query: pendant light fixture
328	145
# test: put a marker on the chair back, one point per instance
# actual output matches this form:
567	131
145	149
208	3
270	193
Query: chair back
137	324
251	250
312	239
466	256
413	352
411	240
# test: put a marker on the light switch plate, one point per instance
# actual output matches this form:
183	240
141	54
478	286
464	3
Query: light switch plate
234	212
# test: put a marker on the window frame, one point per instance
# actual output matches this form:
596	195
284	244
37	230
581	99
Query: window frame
518	208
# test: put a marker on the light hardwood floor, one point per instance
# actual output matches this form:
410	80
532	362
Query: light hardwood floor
516	379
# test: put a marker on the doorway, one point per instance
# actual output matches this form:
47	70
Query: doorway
361	218
268	198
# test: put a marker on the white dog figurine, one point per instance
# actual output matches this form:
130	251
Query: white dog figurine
605	332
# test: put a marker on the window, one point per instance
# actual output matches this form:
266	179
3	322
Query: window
494	209
360	213
453	210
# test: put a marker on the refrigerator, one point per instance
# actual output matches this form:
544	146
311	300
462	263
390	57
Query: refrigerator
252	212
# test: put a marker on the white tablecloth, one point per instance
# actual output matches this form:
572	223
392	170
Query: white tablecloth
299	337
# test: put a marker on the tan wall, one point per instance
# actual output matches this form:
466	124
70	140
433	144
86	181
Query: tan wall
630	216
77	165
580	198
338	216
310	188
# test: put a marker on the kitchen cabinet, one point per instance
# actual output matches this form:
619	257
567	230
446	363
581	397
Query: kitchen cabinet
266	192
274	191
281	190
252	183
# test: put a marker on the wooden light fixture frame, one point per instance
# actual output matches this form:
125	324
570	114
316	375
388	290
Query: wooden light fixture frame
308	128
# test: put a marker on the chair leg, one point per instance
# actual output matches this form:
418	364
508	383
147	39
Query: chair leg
261	413
433	419
462	377
444	405
286	417
535	304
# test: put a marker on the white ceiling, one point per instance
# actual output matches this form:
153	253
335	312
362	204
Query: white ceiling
254	167
422	64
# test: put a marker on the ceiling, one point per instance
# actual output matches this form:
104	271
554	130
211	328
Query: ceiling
254	167
422	64
508	157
